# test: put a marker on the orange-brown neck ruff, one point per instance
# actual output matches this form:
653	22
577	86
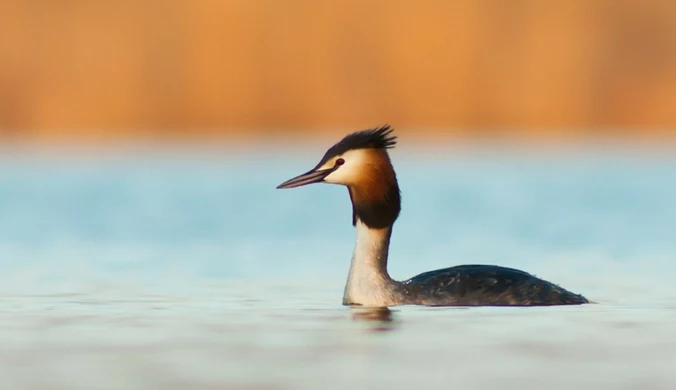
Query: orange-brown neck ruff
375	196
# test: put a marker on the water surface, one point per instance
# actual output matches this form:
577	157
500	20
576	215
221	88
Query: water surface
183	269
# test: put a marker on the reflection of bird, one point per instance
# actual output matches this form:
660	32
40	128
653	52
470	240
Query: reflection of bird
377	314
361	163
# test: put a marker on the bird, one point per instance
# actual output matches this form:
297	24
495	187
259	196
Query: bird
360	162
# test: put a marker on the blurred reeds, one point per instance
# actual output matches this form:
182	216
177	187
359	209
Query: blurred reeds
118	68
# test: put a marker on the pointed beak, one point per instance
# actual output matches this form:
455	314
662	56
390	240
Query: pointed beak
312	176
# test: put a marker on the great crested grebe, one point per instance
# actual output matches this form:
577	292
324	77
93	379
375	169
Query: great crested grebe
361	163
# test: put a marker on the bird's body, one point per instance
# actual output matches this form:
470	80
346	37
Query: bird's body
485	285
360	162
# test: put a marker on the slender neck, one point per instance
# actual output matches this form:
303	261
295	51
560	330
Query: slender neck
368	283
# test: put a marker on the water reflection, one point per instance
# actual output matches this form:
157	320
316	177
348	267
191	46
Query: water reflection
378	319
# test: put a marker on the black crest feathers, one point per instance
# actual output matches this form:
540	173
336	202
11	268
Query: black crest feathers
376	138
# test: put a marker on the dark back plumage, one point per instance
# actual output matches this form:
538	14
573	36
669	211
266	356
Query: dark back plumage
486	285
376	138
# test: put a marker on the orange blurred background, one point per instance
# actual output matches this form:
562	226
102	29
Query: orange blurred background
78	69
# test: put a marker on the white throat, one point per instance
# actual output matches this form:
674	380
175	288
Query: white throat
368	283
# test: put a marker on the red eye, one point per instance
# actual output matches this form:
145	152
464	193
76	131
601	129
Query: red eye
340	161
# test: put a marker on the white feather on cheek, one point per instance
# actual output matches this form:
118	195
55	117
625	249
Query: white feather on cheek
361	167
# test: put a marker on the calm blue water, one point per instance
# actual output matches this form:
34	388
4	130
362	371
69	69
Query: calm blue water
187	269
